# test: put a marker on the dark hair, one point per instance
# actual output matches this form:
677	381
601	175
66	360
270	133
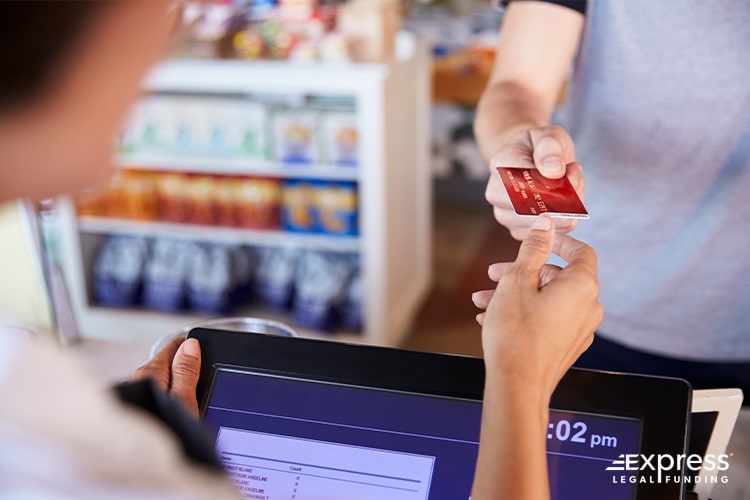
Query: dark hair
34	37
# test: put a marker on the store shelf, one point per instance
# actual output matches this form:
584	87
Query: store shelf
230	235
151	325
391	107
234	165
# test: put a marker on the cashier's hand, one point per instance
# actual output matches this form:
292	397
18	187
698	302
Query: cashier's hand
541	317
548	149
176	368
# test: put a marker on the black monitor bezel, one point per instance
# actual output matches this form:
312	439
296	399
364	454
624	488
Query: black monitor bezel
661	404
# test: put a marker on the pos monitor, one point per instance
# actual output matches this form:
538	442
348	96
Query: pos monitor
307	419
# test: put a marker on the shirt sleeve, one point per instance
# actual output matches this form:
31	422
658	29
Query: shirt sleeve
576	5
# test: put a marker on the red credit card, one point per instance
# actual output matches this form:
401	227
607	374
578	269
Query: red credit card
533	194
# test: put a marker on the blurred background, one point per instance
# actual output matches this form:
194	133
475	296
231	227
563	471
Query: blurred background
310	162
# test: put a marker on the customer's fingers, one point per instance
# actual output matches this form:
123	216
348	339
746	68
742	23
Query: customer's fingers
553	150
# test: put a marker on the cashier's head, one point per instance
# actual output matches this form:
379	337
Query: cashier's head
68	72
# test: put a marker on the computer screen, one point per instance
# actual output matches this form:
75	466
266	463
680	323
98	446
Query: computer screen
284	437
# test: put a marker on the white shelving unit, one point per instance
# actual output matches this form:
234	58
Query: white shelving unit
393	176
236	166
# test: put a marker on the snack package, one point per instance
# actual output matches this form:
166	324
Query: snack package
202	199
165	274
227	198
351	313
320	288
93	202
156	124
244	262
249	128
181	122
171	194
209	282
118	271
336	208
295	139
257	203
139	195
298	212
340	138
133	132
274	277
207	126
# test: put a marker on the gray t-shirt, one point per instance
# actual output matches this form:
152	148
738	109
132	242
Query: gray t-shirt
659	110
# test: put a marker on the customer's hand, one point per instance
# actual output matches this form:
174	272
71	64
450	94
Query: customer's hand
548	149
541	317
176	368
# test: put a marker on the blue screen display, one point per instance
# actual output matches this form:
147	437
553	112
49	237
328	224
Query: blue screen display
285	438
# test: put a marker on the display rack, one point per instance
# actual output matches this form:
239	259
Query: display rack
393	178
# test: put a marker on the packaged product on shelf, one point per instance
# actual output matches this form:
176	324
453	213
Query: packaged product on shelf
165	274
295	139
133	131
204	25
227	199
171	194
336	208
275	275
249	45
192	132
204	119
201	195
350	312
209	282
297	10
244	262
258	203
118	271
340	138
335	48
155	124
93	202
248	124
139	195
373	24
320	288
298	206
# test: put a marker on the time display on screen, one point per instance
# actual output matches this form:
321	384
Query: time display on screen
594	432
577	431
580	447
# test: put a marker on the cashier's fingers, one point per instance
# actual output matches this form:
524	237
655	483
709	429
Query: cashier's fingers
496	271
480	318
159	367
534	251
579	256
482	298
186	367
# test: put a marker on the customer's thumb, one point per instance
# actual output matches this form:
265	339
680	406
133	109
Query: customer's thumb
186	367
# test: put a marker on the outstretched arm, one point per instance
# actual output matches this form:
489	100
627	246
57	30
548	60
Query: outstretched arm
538	320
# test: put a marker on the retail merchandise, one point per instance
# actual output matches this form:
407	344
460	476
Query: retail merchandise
300	30
303	206
321	290
258	128
324	207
